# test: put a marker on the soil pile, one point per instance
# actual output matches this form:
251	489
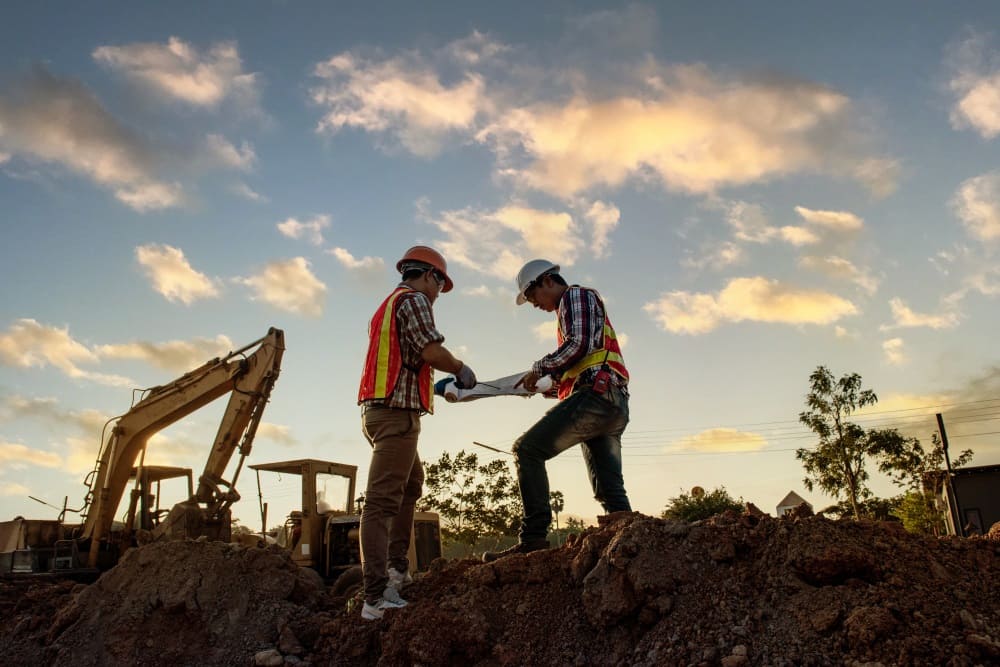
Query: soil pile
172	603
735	590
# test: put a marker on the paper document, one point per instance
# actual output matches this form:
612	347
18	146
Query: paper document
500	387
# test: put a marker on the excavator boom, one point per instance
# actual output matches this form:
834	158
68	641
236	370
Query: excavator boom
248	377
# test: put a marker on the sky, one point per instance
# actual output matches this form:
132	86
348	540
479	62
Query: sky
756	189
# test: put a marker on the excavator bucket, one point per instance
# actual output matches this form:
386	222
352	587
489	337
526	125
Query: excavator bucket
187	521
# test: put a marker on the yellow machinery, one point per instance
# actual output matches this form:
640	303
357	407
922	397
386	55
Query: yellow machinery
323	532
247	376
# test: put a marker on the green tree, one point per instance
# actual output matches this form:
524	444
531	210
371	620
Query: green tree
919	514
837	464
922	474
880	509
557	502
691	507
473	499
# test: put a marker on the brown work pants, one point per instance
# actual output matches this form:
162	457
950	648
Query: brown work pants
395	482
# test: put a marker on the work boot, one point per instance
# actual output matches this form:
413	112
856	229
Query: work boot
520	548
390	600
399	579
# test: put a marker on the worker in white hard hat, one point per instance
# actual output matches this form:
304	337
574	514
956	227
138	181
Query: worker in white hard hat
592	383
397	387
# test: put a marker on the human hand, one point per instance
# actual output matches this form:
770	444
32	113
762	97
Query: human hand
465	378
529	381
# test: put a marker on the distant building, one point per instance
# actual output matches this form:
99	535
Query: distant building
975	505
790	502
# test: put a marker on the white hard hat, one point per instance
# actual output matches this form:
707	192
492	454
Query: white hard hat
531	272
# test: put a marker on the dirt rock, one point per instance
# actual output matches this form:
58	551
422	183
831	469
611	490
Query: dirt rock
739	589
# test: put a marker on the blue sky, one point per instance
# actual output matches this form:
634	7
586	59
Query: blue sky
756	190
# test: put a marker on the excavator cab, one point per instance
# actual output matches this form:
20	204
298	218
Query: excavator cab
323	533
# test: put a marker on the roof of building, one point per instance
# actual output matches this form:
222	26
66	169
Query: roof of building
793	500
976	470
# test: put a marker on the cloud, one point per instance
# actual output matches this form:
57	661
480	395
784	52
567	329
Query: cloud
224	153
47	412
716	256
15	454
150	196
750	223
880	175
475	49
755	299
60	121
498	242
545	331
288	285
604	217
13	489
245	191
977	205
894	353
975	82
691	129
176	355
723	440
27	344
178	71
905	318
276	433
797	236
369	269
838	221
172	275
478	290
401	97
841	269
311	229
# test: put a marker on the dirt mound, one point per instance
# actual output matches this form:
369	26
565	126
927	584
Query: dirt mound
736	590
182	603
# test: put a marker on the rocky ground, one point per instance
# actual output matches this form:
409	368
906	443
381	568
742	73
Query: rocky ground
735	590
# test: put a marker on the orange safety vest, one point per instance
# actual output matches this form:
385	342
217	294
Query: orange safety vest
610	353
385	359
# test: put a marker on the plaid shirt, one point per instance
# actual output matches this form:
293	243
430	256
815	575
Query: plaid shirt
415	326
581	319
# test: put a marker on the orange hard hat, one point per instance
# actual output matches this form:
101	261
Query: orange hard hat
426	255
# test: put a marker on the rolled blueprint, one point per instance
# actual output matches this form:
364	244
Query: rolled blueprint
500	387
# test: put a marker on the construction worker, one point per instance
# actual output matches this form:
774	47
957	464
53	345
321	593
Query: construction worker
396	389
592	385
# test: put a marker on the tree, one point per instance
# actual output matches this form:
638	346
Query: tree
473	499
557	503
922	474
880	509
695	507
837	464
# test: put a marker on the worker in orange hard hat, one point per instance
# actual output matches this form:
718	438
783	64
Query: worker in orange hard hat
592	384
397	387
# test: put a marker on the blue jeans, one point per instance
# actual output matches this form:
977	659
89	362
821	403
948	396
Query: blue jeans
595	421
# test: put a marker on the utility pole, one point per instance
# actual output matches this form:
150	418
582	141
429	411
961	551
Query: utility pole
953	505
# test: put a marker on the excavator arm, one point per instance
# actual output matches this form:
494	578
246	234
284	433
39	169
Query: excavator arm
248	377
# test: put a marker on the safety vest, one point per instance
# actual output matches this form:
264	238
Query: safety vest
385	358
610	352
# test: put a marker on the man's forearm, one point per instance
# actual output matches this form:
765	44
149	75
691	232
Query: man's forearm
438	356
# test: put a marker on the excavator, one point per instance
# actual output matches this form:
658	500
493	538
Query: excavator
248	376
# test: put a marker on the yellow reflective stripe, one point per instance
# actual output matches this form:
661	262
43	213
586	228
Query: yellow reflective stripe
596	358
592	359
384	338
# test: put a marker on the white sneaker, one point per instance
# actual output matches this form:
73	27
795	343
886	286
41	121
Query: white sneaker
399	579
390	600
